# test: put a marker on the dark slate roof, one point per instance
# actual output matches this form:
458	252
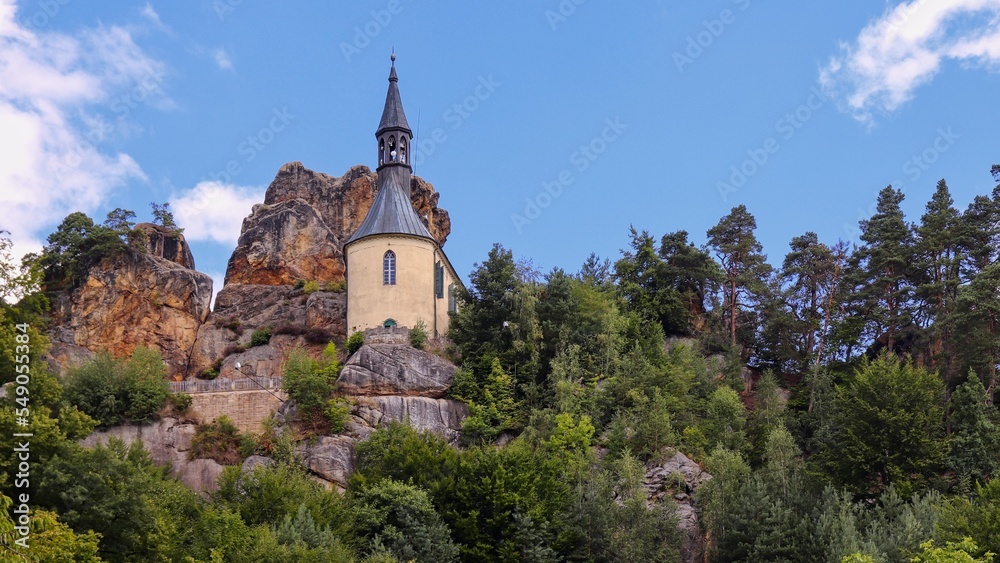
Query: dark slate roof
392	114
392	212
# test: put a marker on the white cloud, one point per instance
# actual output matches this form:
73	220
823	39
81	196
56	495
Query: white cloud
222	59
213	211
902	50
61	97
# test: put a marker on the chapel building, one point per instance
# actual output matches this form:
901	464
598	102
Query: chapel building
397	273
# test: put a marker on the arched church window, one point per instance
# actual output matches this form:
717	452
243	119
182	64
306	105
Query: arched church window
402	150
381	152
389	268
392	148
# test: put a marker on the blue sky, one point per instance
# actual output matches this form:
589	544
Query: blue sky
550	126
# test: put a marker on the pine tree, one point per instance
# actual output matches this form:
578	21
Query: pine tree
975	439
881	269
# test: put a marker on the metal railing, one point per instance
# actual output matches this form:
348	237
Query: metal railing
222	385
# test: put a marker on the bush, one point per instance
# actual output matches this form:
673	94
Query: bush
219	440
113	391
299	284
309	382
338	412
418	335
180	401
354	342
338	287
260	336
310	286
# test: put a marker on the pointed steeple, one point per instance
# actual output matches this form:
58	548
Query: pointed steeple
392	115
392	211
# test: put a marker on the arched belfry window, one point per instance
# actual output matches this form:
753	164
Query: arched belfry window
402	150
392	148
389	268
381	152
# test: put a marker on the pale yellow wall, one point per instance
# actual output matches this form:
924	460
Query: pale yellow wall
370	303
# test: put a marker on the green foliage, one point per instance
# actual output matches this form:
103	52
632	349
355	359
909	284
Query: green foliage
310	287
402	518
219	440
975	438
418	335
976	516
493	409
338	413
180	402
260	336
113	390
888	428
309	382
267	493
953	552
162	215
76	246
354	342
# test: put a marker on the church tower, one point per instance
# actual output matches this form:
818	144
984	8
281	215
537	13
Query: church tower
397	273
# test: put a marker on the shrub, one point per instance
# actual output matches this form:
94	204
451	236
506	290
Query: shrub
418	335
260	336
180	401
354	342
113	390
310	286
219	440
209	373
338	287
309	382
299	284
338	412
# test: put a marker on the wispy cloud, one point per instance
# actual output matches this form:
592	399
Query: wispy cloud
222	59
150	15
61	97
904	48
213	211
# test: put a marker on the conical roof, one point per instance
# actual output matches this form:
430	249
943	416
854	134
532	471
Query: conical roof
392	115
392	212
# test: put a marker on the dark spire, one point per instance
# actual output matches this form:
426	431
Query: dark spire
393	116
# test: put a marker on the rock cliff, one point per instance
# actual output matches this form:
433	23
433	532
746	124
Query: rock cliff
300	229
130	300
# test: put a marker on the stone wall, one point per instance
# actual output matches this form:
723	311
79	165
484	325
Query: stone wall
247	409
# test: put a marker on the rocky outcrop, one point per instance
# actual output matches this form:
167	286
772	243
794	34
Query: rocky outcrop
676	480
167	243
294	317
133	299
168	441
307	216
388	369
330	458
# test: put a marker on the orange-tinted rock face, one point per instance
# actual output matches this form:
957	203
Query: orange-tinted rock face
299	231
133	300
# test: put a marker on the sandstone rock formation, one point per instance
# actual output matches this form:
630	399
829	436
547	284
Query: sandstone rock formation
677	479
388	369
167	243
131	300
294	317
168	441
299	231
